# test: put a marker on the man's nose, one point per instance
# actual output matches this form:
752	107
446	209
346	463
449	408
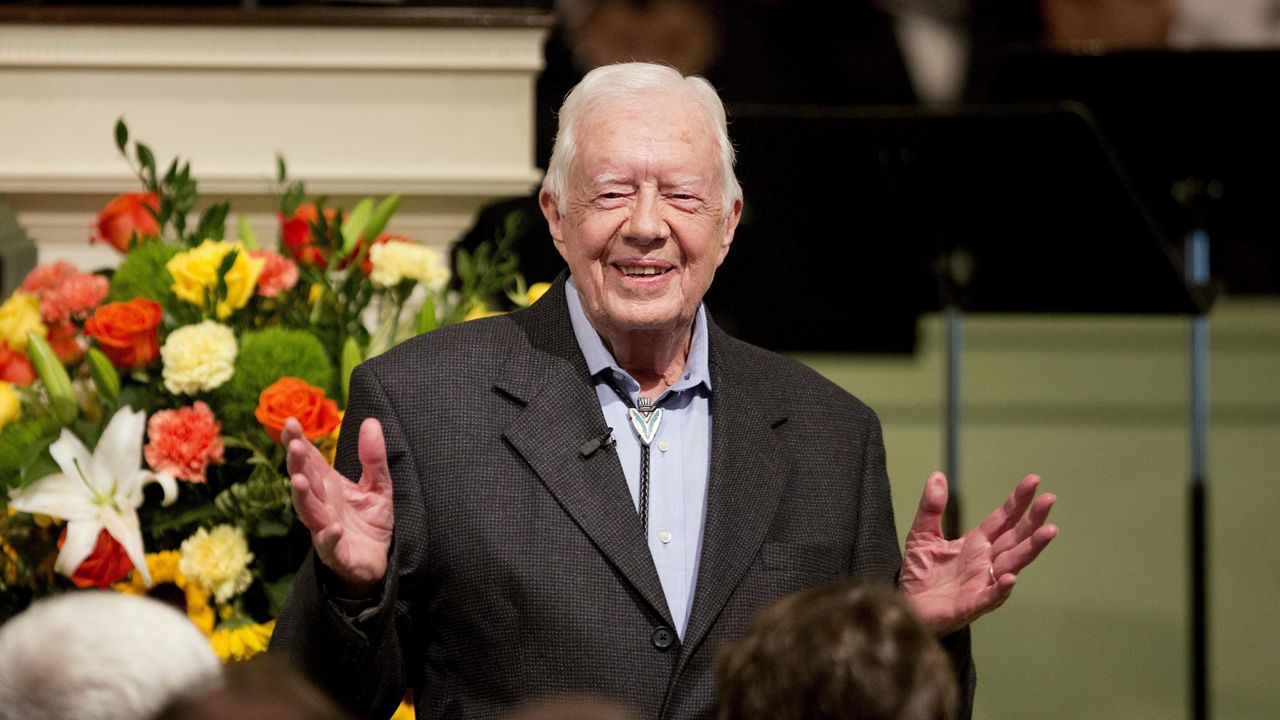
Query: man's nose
646	224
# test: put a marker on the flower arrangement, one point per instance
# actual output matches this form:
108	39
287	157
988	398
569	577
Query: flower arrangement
141	408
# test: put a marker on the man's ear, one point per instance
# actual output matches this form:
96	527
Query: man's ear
730	225
551	211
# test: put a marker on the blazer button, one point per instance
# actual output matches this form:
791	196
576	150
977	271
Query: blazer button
663	638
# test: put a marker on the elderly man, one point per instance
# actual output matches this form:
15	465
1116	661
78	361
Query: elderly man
594	494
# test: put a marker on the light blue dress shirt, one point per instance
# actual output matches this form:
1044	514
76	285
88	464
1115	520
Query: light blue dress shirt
679	457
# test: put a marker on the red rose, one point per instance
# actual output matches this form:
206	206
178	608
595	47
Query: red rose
126	331
15	367
184	442
108	563
295	232
127	219
291	397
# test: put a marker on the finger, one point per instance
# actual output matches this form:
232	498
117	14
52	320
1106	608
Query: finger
1021	555
311	510
292	431
1005	516
305	459
1034	519
933	501
373	457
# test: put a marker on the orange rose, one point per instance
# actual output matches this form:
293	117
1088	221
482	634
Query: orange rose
65	343
125	218
291	397
126	331
107	563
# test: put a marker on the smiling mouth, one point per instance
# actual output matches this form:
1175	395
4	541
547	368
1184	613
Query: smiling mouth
638	271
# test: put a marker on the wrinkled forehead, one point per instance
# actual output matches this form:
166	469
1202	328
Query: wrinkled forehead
665	125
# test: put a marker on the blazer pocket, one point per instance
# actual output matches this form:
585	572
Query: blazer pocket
809	560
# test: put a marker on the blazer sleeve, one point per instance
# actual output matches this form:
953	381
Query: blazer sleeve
358	657
877	539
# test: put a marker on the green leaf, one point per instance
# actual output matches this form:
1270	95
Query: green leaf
148	162
381	216
281	172
466	269
277	592
122	134
246	235
37	462
351	356
224	267
213	221
353	227
104	374
171	173
54	376
426	320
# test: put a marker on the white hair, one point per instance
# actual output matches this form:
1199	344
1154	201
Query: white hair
623	83
100	655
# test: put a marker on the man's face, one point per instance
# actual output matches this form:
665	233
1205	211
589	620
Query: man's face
644	225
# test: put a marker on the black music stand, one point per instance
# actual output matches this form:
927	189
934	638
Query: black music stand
1198	132
1000	209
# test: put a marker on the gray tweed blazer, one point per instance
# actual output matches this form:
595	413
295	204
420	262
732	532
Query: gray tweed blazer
518	567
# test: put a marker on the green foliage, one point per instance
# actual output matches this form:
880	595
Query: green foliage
17	441
142	273
265	356
260	504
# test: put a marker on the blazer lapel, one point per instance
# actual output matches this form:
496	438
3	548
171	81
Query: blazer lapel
549	376
748	470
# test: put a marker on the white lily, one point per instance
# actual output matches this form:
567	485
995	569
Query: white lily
98	491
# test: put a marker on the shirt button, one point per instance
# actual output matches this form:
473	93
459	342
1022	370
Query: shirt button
662	638
663	445
665	537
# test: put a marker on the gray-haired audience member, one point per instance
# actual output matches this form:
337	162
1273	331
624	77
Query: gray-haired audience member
847	650
96	655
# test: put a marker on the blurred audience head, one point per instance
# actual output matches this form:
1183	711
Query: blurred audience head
1097	25
98	655
842	651
571	707
266	687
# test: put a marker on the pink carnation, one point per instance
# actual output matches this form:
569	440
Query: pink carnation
184	442
278	274
77	295
49	275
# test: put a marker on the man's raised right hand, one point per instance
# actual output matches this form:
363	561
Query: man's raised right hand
350	523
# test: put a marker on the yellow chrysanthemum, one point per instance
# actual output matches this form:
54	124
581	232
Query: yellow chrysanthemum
18	314
233	642
536	291
404	712
164	570
481	311
10	405
217	561
195	272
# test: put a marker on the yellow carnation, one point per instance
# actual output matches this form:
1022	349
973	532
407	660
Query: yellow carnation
234	642
10	406
217	561
397	261
195	273
18	314
198	357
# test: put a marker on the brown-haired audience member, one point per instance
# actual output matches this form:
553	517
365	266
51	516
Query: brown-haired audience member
572	707
264	688
847	650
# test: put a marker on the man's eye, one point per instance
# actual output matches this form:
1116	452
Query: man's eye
610	195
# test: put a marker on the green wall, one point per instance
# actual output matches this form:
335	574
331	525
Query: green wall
1099	626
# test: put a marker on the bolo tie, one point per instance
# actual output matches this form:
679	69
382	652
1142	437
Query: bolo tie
645	417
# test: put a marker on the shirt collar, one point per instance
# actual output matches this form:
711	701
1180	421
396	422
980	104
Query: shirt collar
599	359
